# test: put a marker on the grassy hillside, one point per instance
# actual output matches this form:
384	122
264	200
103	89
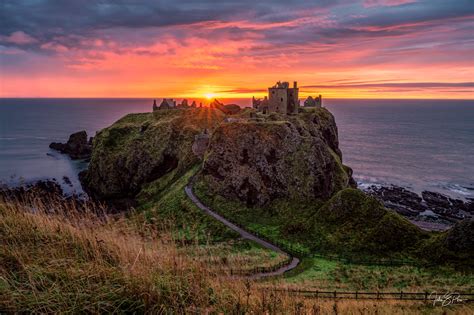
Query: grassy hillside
350	224
84	263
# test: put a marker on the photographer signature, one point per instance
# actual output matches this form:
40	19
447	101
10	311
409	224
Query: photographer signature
446	299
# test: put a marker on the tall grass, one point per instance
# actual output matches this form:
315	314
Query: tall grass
61	257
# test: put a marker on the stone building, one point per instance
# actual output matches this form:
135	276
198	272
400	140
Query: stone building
281	99
314	102
167	103
184	104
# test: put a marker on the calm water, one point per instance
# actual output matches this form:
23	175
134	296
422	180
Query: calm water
420	144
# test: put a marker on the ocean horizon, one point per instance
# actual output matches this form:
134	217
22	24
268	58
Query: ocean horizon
420	144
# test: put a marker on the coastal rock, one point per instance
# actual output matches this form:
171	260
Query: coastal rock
77	147
399	199
410	204
469	206
45	190
294	157
442	204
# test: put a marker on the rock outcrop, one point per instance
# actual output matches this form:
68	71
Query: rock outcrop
41	191
254	161
295	157
399	199
409	203
77	147
142	148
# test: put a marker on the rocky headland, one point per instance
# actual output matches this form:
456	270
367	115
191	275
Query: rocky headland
252	158
288	167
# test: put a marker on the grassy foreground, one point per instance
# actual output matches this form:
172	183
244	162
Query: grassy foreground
56	260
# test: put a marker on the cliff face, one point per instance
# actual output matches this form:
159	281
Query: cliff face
253	159
277	156
141	148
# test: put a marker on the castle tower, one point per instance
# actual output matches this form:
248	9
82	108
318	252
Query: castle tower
283	99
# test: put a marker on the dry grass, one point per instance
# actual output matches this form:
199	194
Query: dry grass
58	258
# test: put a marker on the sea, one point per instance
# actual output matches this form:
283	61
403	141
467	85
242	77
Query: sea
417	144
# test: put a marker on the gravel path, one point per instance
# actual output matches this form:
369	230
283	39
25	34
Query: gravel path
294	262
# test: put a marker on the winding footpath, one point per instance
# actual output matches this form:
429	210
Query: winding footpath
245	234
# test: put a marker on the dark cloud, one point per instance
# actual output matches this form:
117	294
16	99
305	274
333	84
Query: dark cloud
70	24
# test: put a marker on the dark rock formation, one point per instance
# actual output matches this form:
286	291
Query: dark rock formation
442	204
469	205
411	204
294	157
77	147
399	199
44	189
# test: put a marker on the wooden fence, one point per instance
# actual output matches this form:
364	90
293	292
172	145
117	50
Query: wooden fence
455	297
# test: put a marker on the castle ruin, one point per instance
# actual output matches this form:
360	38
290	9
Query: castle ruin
169	103
281	99
314	102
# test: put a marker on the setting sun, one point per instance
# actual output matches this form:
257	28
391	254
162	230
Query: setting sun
209	95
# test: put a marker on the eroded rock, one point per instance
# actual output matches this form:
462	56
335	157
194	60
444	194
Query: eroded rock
77	147
293	157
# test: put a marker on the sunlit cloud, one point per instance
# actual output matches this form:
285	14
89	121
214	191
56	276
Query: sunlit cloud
170	49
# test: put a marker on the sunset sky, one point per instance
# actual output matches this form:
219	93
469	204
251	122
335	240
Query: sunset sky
350	49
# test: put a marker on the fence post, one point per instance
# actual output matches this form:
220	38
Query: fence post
357	295
378	295
426	296
401	295
334	294
317	293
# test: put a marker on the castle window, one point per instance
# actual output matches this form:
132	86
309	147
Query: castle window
281	99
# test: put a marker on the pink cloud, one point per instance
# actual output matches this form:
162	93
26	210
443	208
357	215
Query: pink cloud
55	47
18	38
385	3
